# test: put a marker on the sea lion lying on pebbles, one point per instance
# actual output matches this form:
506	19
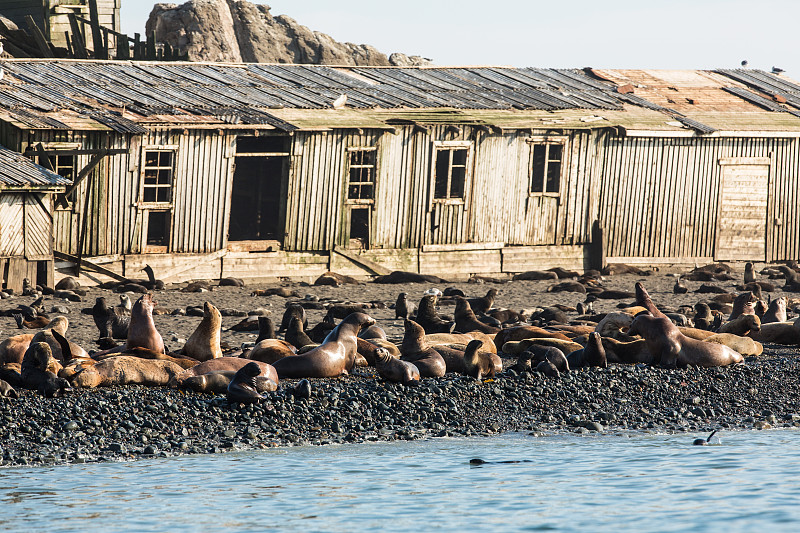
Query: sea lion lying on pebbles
395	370
243	387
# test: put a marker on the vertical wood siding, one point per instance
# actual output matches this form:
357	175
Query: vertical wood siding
12	240
25	226
660	197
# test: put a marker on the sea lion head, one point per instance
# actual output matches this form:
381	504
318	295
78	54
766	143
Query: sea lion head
59	324
382	356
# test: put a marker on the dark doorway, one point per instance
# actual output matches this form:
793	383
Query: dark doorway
258	200
158	229
359	227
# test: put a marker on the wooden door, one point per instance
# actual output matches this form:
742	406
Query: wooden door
742	212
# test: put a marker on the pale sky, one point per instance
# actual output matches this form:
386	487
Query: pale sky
660	34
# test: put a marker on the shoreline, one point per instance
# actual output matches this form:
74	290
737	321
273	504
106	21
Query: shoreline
133	422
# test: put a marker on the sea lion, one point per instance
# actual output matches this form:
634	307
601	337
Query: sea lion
787	333
231	282
679	287
243	388
694	333
152	283
334	279
111	322
293	309
535	275
39	369
484	303
744	345
222	364
516	347
467	321
142	332
399	276
673	349
295	335
614	269
373	332
549	315
334	357
743	304
126	370
643	299
395	370
594	355
321	330
67	284
538	354
342	310
270	350
203	344
710	439
403	308
548	369
629	353
741	326
266	329
430	321
749	273
519	333
615	326
776	311
703	319
568	286
7	391
415	349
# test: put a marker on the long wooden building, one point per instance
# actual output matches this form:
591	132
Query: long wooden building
266	171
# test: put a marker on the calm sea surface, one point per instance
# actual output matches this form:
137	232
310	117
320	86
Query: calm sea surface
751	482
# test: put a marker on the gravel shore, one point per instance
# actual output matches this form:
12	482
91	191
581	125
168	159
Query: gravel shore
124	423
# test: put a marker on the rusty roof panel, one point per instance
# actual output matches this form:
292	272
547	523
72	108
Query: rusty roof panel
17	170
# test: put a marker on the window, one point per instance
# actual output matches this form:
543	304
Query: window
158	228
158	169
361	177
450	172
545	171
64	165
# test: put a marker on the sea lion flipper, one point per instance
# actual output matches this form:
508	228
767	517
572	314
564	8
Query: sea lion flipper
66	349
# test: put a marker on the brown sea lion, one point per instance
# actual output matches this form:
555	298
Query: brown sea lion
373	332
430	321
39	371
673	349
632	352
395	370
243	388
203	344
743	304
594	355
111	322
266	329
679	287
334	279
270	350
535	275
7	391
776	311
222	364
126	370
744	345
403	308
334	357
742	325
614	269
615	326
467	321
516	347
525	332
293	309
548	369
703	319
296	335
142	332
749	273
217	382
787	333
568	286
399	276
484	303
643	299
415	349
694	333
436	339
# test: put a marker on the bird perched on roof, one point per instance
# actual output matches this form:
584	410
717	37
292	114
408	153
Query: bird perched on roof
744	63
777	70
340	102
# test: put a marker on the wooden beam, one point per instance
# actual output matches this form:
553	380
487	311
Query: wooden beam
38	36
88	265
192	263
56	151
100	52
82	175
78	44
366	263
44	158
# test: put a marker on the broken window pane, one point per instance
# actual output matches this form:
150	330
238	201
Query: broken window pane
538	166
442	173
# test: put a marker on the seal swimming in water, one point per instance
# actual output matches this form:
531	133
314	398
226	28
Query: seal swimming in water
707	441
243	388
334	357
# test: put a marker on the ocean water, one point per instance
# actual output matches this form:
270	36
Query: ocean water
598	483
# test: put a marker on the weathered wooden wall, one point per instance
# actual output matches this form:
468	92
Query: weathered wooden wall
497	207
660	196
51	16
25	225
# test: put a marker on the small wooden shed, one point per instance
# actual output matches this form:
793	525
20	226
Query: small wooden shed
266	171
26	220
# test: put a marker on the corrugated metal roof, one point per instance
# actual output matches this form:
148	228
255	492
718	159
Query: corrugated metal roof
126	96
17	170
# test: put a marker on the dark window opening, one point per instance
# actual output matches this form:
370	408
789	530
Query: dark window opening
359	225
158	228
267	144
64	166
158	171
361	180
546	160
451	173
259	189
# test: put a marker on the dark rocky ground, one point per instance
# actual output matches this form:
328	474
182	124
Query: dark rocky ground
132	422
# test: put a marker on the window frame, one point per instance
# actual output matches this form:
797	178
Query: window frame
450	146
374	182
157	205
547	141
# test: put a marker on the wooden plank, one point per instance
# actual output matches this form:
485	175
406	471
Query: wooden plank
100	50
366	263
38	36
464	246
659	260
17	271
88	265
192	263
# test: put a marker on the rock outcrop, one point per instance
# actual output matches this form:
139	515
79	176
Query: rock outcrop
240	31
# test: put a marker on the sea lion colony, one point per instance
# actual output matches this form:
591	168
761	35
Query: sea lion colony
551	342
